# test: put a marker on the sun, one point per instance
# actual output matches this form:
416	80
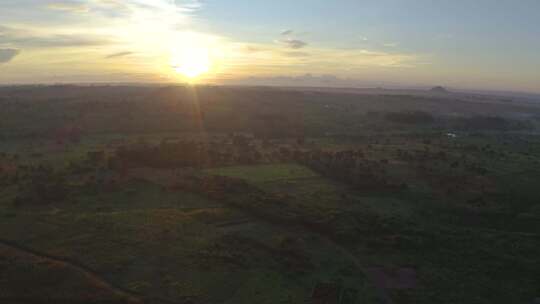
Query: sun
192	62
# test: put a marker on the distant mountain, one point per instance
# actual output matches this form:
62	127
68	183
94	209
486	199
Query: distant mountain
439	89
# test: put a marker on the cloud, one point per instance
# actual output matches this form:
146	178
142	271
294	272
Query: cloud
60	41
126	8
102	8
170	6
294	43
83	23
90	8
75	7
192	5
287	32
6	55
31	39
119	54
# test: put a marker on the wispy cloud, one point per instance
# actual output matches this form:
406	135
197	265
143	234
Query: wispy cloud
32	39
171	6
89	34
69	6
6	55
294	43
127	8
119	54
287	32
192	5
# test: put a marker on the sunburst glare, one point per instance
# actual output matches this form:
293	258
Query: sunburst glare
192	62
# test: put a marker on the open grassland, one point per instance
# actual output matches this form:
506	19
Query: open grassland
265	173
379	199
183	248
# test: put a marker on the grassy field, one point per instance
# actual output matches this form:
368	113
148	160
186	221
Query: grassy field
333	192
265	173
177	245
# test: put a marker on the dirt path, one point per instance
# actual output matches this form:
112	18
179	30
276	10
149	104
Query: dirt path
129	296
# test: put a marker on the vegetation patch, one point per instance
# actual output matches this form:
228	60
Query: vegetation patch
265	173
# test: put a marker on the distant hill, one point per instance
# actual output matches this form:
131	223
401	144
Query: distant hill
439	89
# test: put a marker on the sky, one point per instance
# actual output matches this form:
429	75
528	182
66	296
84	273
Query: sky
468	44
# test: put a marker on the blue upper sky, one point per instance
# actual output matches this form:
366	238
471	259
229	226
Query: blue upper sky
483	29
486	44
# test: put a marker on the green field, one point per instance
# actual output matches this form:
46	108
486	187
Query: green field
265	173
369	204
